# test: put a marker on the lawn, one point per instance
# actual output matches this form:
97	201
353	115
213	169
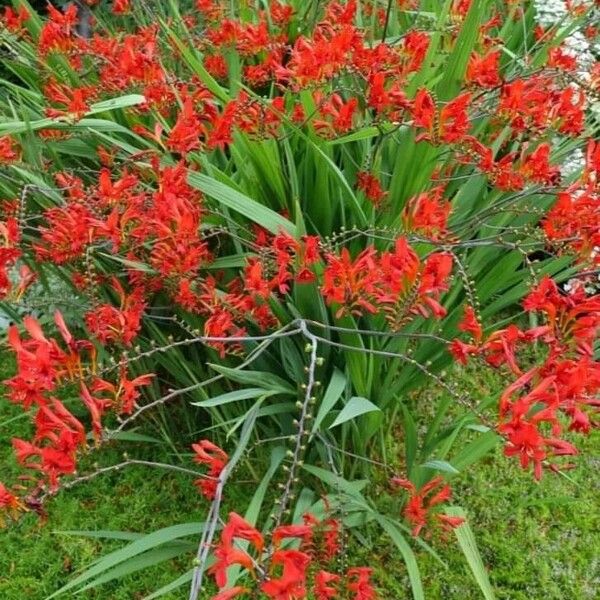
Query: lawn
537	540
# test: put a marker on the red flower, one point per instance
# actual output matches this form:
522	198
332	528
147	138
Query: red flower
281	14
8	150
573	320
323	589
14	21
67	234
452	123
427	213
526	441
125	392
231	593
9	505
420	508
371	187
559	58
215	459
185	135
414	47
52	462
57	32
433	281
484	70
292	583
55	424
470	324
216	65
74	100
225	553
423	110
536	166
359	583
391	100
227	556
96	408
337	115
117	325
121	7
325	541
350	283
304	532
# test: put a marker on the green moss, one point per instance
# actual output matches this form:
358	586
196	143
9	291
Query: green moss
537	540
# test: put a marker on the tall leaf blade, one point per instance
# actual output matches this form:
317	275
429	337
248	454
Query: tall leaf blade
468	545
242	204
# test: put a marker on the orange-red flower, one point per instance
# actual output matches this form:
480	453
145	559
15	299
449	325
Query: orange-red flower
420	509
215	459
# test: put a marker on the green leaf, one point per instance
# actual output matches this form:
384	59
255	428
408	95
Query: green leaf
235	396
177	583
241	203
139	546
132	436
467	543
356	406
337	483
262	379
407	554
130	264
103	534
476	450
12	127
230	262
455	69
143	561
441	465
336	387
410	439
191	58
363	134
116	103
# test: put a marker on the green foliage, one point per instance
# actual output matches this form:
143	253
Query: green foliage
369	381
535	540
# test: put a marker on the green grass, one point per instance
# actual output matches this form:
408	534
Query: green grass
538	540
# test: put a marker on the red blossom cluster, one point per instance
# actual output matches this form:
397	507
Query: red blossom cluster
43	366
209	454
514	171
112	325
397	283
422	506
293	566
371	186
9	150
10	505
428	214
9	253
14	20
573	223
73	101
565	386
